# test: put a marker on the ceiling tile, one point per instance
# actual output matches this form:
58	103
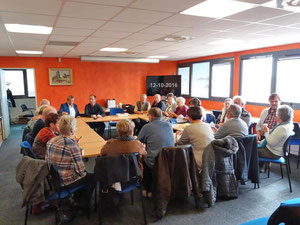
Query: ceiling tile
286	20
89	11
141	16
283	31
257	14
195	32
124	27
7	52
155	29
110	34
297	25
165	5
23	18
145	37
28	36
253	28
143	48
159	43
222	25
46	7
107	2
53	54
184	21
50	48
5	43
101	40
72	31
254	1
57	37
79	23
132	42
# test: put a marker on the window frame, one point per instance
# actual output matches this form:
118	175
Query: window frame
212	62
276	55
25	84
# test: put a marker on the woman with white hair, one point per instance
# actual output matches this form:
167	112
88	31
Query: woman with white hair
276	138
65	154
222	118
125	143
181	108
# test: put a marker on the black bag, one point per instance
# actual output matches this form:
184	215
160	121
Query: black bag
128	108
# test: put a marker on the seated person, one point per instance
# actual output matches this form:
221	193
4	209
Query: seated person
276	137
156	135
65	154
40	123
234	126
125	143
245	116
171	105
197	102
222	118
181	108
43	102
69	108
158	103
95	111
142	106
268	116
31	122
49	131
198	134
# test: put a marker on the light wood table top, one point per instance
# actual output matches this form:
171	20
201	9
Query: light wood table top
92	149
114	118
180	126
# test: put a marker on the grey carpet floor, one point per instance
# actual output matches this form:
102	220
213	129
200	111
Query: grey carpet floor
252	203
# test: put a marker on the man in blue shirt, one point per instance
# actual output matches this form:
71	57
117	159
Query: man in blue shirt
156	135
69	108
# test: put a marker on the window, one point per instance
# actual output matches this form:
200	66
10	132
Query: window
21	82
221	80
256	79
208	79
200	80
185	80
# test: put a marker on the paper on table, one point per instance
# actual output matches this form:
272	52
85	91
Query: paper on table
180	119
122	114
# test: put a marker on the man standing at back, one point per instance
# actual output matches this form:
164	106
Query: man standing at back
156	135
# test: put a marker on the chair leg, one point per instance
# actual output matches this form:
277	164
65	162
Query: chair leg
269	168
99	209
26	214
288	175
143	205
132	199
281	171
196	202
96	189
298	157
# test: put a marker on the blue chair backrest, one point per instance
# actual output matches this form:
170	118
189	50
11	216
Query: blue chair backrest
114	111
291	203
216	113
296	130
26	145
60	181
250	129
210	118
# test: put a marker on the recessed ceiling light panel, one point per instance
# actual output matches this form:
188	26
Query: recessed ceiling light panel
218	8
29	52
30	29
113	49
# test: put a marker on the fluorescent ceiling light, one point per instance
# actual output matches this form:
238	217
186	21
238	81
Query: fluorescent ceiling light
118	59
218	8
157	57
113	49
30	29
227	41
29	52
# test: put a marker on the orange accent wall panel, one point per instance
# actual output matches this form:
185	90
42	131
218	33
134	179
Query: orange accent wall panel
122	81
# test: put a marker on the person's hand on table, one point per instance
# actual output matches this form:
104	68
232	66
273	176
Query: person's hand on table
219	124
99	116
214	129
265	128
64	113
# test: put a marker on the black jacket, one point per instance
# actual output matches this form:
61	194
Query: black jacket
218	179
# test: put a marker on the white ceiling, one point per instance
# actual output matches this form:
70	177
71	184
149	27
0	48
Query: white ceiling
140	25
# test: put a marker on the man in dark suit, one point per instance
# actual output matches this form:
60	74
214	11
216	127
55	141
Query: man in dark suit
69	108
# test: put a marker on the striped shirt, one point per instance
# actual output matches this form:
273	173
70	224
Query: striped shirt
271	118
65	154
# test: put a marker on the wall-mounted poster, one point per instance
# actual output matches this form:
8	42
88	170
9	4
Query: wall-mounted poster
60	76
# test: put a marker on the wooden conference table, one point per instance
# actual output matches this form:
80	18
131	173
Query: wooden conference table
90	141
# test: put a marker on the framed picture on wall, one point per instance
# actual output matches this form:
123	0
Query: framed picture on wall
60	76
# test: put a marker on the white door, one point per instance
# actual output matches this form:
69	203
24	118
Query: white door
4	106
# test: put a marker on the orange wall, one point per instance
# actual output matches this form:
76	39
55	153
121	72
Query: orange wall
254	110
122	81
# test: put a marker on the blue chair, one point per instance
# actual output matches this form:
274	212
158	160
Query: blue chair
250	129
60	192
210	118
112	112
276	217
129	175
216	113
295	140
284	160
27	149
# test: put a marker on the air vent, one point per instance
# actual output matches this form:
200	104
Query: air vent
63	43
174	38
